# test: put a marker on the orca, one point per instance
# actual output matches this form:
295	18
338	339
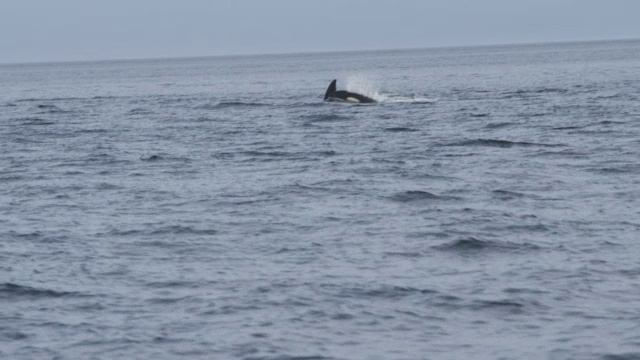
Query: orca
333	94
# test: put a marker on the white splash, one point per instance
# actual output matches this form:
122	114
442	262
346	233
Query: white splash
361	84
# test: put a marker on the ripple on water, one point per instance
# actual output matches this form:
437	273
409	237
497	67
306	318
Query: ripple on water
499	143
204	208
474	246
11	291
33	121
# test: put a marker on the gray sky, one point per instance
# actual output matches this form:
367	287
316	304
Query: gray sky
59	30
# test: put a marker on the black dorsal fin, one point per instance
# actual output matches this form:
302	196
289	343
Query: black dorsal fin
330	90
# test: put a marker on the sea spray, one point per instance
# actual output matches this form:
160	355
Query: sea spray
362	84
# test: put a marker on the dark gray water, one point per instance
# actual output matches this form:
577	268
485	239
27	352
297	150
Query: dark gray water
216	208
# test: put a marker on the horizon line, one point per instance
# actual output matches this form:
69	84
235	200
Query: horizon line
284	53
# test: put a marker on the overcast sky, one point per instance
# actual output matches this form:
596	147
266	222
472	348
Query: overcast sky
60	30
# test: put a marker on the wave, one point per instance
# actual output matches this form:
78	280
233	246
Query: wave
567	128
11	290
400	129
151	157
499	125
139	111
414	195
622	169
49	109
320	118
165	230
41	100
418	195
506	305
523	93
291	357
11	178
498	143
381	292
622	356
265	156
50	99
91	131
473	245
183	230
510	195
34	121
161	157
231	104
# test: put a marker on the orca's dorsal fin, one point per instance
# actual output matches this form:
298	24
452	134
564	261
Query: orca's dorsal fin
330	90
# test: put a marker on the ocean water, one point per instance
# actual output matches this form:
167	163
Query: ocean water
216	208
